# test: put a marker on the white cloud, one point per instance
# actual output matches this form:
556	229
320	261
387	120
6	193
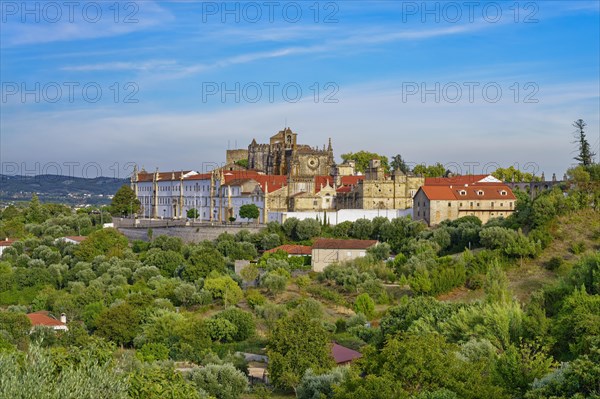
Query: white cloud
505	133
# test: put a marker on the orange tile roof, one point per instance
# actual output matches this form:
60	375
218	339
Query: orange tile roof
273	182
76	238
292	249
40	319
334	243
7	242
477	191
458	180
351	180
323	181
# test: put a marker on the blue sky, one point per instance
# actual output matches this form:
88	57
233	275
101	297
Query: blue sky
473	85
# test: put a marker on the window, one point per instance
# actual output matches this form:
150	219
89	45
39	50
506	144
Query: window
502	204
462	192
478	204
492	204
471	204
479	192
503	192
349	254
449	203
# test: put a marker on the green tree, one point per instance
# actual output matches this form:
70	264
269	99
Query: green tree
398	164
17	327
307	229
243	321
167	261
249	211
109	242
224	287
296	344
242	162
249	273
201	260
585	156
362	229
193	213
159	381
125	202
362	159
118	323
496	285
365	305
221	381
437	170
42	374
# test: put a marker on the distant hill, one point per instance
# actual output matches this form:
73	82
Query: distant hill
62	189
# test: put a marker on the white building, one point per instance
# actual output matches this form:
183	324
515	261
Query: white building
217	196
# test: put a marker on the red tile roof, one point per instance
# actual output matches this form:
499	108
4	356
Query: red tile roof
342	355
7	242
334	243
40	319
273	182
485	191
460	180
351	180
323	181
292	249
76	238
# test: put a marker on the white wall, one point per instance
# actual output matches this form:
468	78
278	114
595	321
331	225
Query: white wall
342	215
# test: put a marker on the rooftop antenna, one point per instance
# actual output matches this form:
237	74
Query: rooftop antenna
285	127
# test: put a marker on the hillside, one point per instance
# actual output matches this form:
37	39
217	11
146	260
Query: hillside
55	188
574	235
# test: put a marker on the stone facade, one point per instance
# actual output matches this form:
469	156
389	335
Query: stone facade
434	204
284	156
380	191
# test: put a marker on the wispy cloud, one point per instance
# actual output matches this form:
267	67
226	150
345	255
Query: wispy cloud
76	24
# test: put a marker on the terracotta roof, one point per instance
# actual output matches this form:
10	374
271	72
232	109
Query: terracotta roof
76	238
323	181
273	182
351	180
341	354
470	192
334	243
40	319
460	180
7	242
292	249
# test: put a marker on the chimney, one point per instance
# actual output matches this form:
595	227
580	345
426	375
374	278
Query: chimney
63	318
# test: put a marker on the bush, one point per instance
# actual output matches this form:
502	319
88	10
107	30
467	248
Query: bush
151	352
254	298
554	263
243	321
220	381
577	247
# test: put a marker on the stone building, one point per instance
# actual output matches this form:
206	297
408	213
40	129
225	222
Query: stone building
450	199
326	251
378	190
284	156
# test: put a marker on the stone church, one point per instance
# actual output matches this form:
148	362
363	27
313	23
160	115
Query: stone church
283	156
